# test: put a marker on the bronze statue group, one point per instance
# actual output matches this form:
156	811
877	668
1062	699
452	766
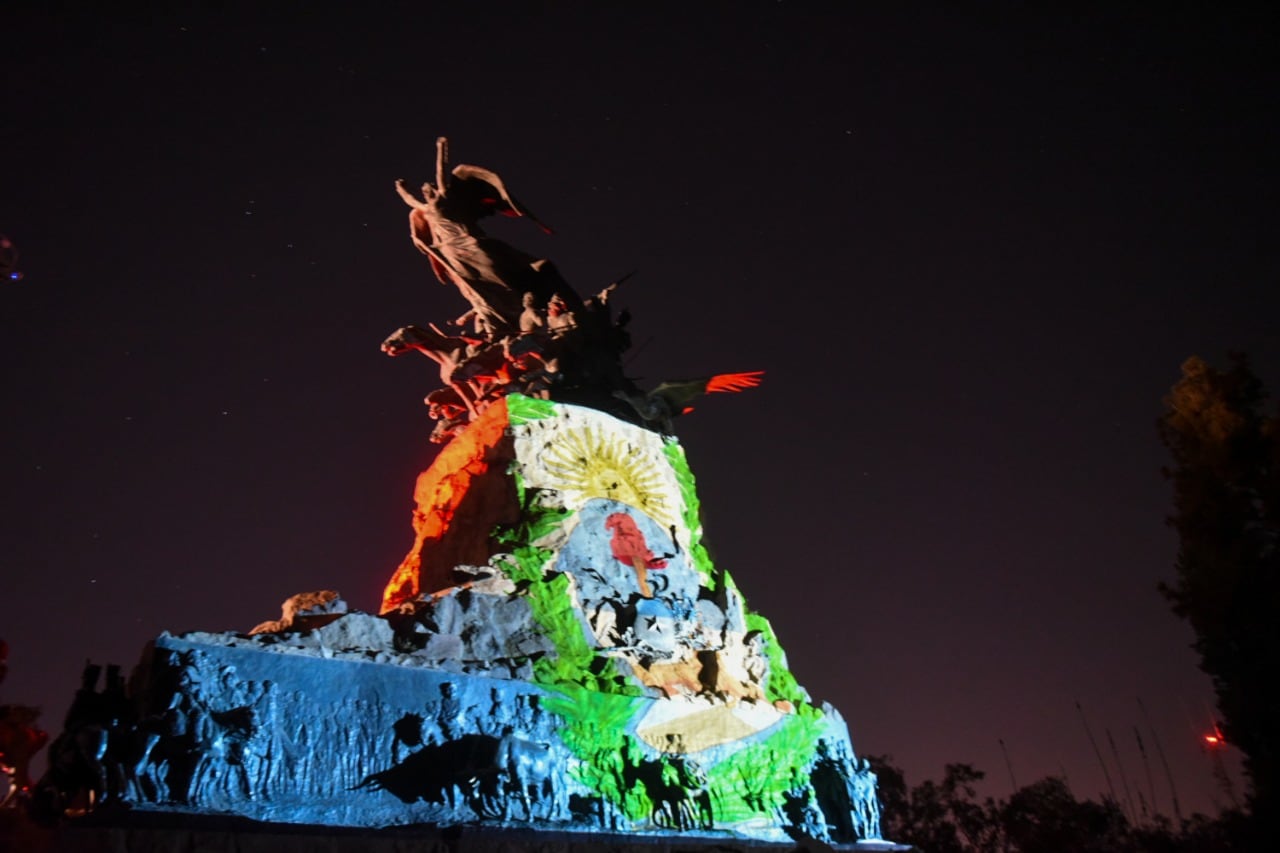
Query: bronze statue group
527	330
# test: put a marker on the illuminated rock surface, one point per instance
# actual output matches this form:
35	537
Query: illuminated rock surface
556	652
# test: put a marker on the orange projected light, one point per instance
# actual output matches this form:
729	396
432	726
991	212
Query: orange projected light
456	473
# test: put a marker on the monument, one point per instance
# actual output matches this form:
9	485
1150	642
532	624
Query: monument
557	652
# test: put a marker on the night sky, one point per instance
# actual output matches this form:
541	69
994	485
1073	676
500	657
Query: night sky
969	246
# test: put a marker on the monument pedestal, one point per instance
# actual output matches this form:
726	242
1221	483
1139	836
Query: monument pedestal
590	670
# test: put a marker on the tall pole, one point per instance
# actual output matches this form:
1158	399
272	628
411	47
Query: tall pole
1155	738
1098	753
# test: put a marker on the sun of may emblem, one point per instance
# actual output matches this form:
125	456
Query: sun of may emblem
588	462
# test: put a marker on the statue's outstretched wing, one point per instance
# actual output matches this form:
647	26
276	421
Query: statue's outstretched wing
509	206
734	381
679	394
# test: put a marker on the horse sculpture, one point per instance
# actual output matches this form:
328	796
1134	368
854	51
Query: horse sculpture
525	772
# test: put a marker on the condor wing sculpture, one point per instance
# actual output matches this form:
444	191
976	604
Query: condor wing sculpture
673	397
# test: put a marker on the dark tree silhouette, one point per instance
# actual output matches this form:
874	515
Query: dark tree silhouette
1226	484
895	796
937	817
1044	817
